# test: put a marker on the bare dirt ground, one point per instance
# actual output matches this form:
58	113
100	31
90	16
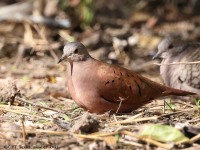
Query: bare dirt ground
36	110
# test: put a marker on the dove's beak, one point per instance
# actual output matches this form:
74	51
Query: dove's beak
64	58
157	55
60	60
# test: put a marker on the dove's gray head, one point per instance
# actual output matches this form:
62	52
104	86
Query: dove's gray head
169	47
74	51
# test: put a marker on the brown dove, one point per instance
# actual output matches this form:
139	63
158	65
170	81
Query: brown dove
100	87
180	76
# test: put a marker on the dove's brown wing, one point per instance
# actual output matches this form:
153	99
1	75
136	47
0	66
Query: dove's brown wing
121	85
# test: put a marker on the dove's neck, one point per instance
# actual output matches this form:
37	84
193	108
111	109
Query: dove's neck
75	67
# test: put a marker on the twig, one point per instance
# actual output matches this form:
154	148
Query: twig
130	143
36	105
115	118
23	129
135	120
120	103
195	138
93	137
106	134
126	127
179	63
36	131
66	99
184	103
127	120
193	120
173	113
147	140
13	111
16	108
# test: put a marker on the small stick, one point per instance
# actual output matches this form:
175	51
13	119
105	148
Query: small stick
23	129
184	103
193	120
147	140
36	105
36	131
195	138
179	63
135	120
13	111
120	103
130	143
177	112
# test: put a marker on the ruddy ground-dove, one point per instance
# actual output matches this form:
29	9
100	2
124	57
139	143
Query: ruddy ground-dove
100	87
180	76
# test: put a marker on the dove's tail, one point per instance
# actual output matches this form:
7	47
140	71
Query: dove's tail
177	92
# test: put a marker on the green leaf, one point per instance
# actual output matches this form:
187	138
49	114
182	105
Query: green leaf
162	133
66	118
25	78
197	102
117	137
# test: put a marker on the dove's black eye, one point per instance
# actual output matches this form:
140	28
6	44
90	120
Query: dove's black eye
170	46
76	51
